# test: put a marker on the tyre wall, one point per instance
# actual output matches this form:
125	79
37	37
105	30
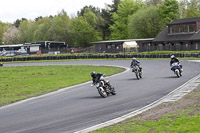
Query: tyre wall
57	57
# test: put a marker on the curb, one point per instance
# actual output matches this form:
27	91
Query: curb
172	96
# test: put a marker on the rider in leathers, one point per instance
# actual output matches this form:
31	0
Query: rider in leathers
174	60
135	62
96	76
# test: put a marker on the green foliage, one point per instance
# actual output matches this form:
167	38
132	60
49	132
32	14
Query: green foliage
190	8
122	19
59	28
125	9
27	29
107	18
90	17
22	82
169	11
145	23
3	28
82	32
170	124
41	33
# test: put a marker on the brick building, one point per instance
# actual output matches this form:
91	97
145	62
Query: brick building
179	35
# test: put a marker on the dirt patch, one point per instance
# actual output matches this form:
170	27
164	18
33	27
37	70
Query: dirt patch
189	104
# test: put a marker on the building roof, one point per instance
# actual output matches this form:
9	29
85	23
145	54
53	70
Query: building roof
14	45
164	36
126	40
185	20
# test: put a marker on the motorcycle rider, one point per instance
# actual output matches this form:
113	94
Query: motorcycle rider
135	62
174	60
96	76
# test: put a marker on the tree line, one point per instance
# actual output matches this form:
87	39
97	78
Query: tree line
123	19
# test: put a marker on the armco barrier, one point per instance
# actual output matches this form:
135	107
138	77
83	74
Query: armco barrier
106	56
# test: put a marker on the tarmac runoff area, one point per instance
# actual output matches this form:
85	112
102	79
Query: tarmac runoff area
171	97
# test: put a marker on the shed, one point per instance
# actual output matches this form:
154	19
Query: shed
132	44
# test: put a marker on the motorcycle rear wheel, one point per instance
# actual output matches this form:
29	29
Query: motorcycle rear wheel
113	91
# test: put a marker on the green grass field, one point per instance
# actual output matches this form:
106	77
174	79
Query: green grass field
182	116
167	124
22	82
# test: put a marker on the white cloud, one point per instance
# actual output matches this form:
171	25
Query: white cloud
11	10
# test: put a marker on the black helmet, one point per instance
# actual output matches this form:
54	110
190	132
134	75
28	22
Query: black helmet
92	73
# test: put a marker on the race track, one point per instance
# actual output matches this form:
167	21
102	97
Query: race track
80	107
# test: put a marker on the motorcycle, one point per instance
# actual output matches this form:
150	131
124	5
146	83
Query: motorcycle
138	72
104	87
175	67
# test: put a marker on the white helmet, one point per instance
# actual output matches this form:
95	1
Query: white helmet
133	58
172	56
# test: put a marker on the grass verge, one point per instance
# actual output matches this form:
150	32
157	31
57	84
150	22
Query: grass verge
23	82
182	116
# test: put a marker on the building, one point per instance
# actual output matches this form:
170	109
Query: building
19	49
52	46
117	46
179	35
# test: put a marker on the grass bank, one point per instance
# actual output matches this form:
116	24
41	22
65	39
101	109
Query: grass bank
182	116
23	82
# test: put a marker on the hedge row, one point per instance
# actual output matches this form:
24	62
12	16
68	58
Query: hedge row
194	55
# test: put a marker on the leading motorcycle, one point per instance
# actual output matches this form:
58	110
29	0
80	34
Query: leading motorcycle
175	67
104	87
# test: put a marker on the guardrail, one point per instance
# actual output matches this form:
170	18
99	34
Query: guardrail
106	56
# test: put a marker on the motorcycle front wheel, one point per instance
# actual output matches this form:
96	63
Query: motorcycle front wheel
177	72
137	75
140	74
102	92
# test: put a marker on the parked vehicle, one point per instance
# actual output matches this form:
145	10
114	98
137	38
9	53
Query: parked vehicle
104	87
175	67
8	53
137	71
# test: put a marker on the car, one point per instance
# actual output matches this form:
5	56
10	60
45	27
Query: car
21	51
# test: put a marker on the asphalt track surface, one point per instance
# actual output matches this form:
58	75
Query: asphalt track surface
80	107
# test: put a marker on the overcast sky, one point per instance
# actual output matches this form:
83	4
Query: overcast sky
11	10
